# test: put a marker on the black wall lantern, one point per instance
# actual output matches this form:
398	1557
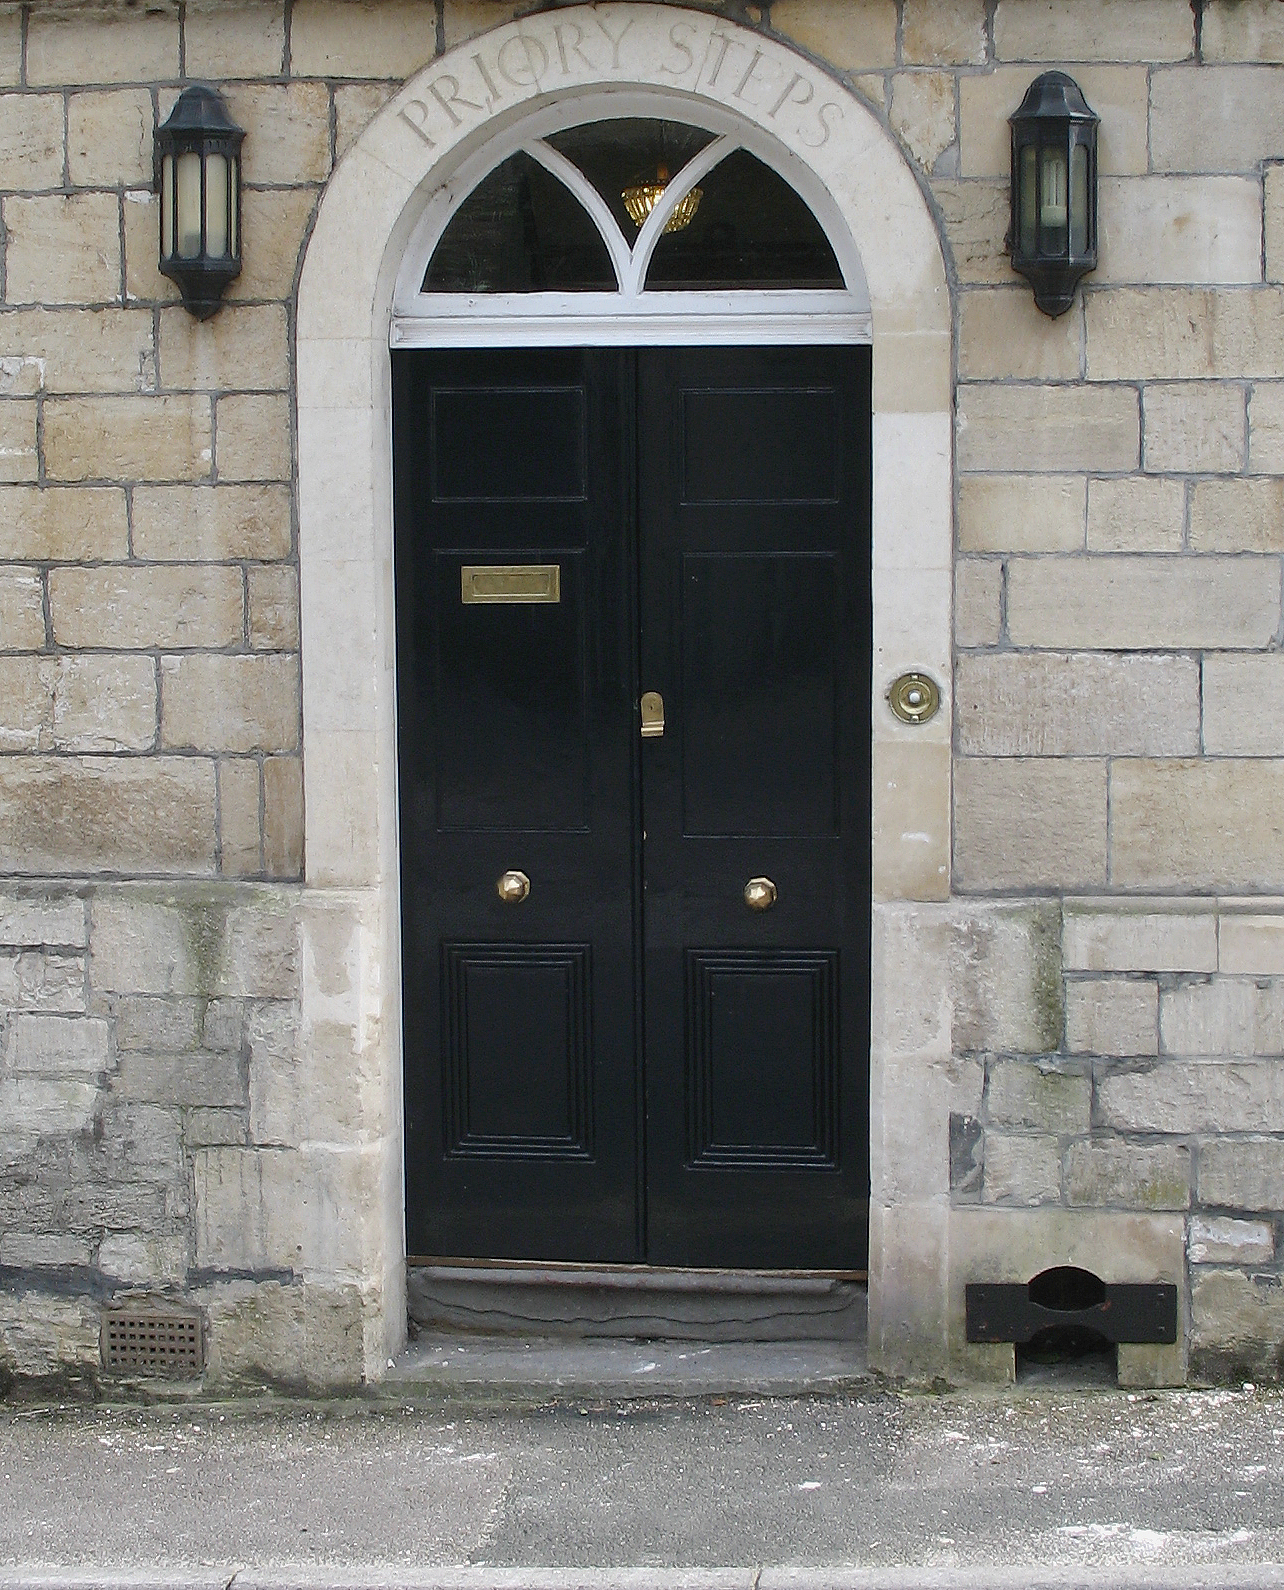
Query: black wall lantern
198	157
1054	190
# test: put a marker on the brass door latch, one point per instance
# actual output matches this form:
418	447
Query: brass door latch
652	715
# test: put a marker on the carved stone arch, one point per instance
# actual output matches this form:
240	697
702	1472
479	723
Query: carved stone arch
364	222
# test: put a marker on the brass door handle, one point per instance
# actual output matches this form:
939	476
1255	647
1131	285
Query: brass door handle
652	715
760	894
513	888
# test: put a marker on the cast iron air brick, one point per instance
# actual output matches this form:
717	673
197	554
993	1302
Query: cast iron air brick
146	1339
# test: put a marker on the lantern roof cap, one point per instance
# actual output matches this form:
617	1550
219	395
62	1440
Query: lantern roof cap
1054	95
201	109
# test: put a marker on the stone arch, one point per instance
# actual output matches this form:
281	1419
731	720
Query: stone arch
363	225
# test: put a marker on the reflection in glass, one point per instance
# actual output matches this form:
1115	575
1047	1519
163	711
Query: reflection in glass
618	155
1079	199
520	231
751	230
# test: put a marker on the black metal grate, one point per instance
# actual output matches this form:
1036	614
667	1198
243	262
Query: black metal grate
152	1341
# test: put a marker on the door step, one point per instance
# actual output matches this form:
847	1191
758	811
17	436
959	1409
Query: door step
636	1303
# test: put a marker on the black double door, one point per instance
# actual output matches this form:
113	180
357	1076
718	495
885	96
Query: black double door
633	621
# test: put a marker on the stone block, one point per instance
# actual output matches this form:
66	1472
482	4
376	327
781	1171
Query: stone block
132	607
1251	945
1194	429
63	249
1112	1016
261	955
1245	1173
306	1336
244	346
1021	1170
98	703
1185	333
978	599
1237	516
1136	515
63	524
846	34
11	48
1139	603
31	141
1237	1324
1183	1096
215	1128
274	608
42	918
1266	428
230	703
211	524
128	438
238	818
253	438
141	1258
195	942
1242	30
1118	94
194	1078
1121	938
1197	825
109	46
42	980
18	458
1215	118
144	283
1003	336
283	816
109	139
40	1250
287	130
223	1026
1215	1239
44	1335
277	219
1076	704
1094	30
99	814
1155	230
1037	1097
352	38
41	1045
976	218
923	114
1029	824
1021	513
1273	226
1106	1172
22	615
1243	712
1050	429
150	1022
222	40
940	32
79	350
355	107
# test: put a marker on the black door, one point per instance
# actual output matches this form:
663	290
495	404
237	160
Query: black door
609	1054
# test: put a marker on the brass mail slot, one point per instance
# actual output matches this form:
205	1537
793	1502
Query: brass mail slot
511	582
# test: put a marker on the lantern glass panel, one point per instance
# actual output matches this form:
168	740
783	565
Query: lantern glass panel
234	241
1053	202
1079	200
216	217
1029	203
167	207
189	205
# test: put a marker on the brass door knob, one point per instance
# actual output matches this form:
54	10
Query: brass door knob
513	888
760	894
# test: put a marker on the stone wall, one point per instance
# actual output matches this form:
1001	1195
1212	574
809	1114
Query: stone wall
1094	1055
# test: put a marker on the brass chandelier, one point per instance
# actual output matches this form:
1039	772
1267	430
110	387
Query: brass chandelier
642	197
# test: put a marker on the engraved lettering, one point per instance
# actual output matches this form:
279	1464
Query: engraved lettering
449	98
416	121
739	91
560	31
796	81
678	42
495	94
616	39
725	40
825	128
522	73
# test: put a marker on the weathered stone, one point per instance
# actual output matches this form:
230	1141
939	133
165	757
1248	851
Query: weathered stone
1194	429
22	615
1242	30
1021	513
1118	94
277	220
146	1022
1197	825
215	1128
109	139
1029	823
1021	1170
1266	428
238	818
1237	516
223	1026
1247	1173
40	1250
232	40
1194	1096
936	32
211	524
1078	704
1185	333
1021	1093
253	438
63	524
1215	118
1180	229
1048	428
42	919
274	608
1138	603
108	46
302	1335
283	816
141	1257
1112	1016
976	222
40	1045
42	980
355	106
287	130
848	36
134	607
99	814
923	113
348	38
144	283
967	1161
97	703
978	596
1216	1239
243	346
11	47
18	459
191	1078
230	703
1243	710
1251	945
63	250
31	133
1136	515
1002	335
1236	1324
122	438
77	350
1108	1171
1094	30
1120	938
34	1107
195	943
48	1335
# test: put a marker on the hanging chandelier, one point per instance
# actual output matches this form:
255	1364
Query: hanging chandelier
642	197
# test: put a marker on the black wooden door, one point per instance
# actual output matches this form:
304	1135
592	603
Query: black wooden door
753	495
634	973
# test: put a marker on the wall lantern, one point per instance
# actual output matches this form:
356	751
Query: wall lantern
1054	190
198	156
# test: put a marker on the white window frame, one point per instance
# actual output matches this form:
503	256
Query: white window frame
630	316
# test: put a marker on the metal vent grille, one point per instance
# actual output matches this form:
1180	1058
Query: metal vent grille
151	1341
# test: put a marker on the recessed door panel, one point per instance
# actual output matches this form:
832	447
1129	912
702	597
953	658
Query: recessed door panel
759	445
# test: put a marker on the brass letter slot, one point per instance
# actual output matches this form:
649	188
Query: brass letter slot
510	582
